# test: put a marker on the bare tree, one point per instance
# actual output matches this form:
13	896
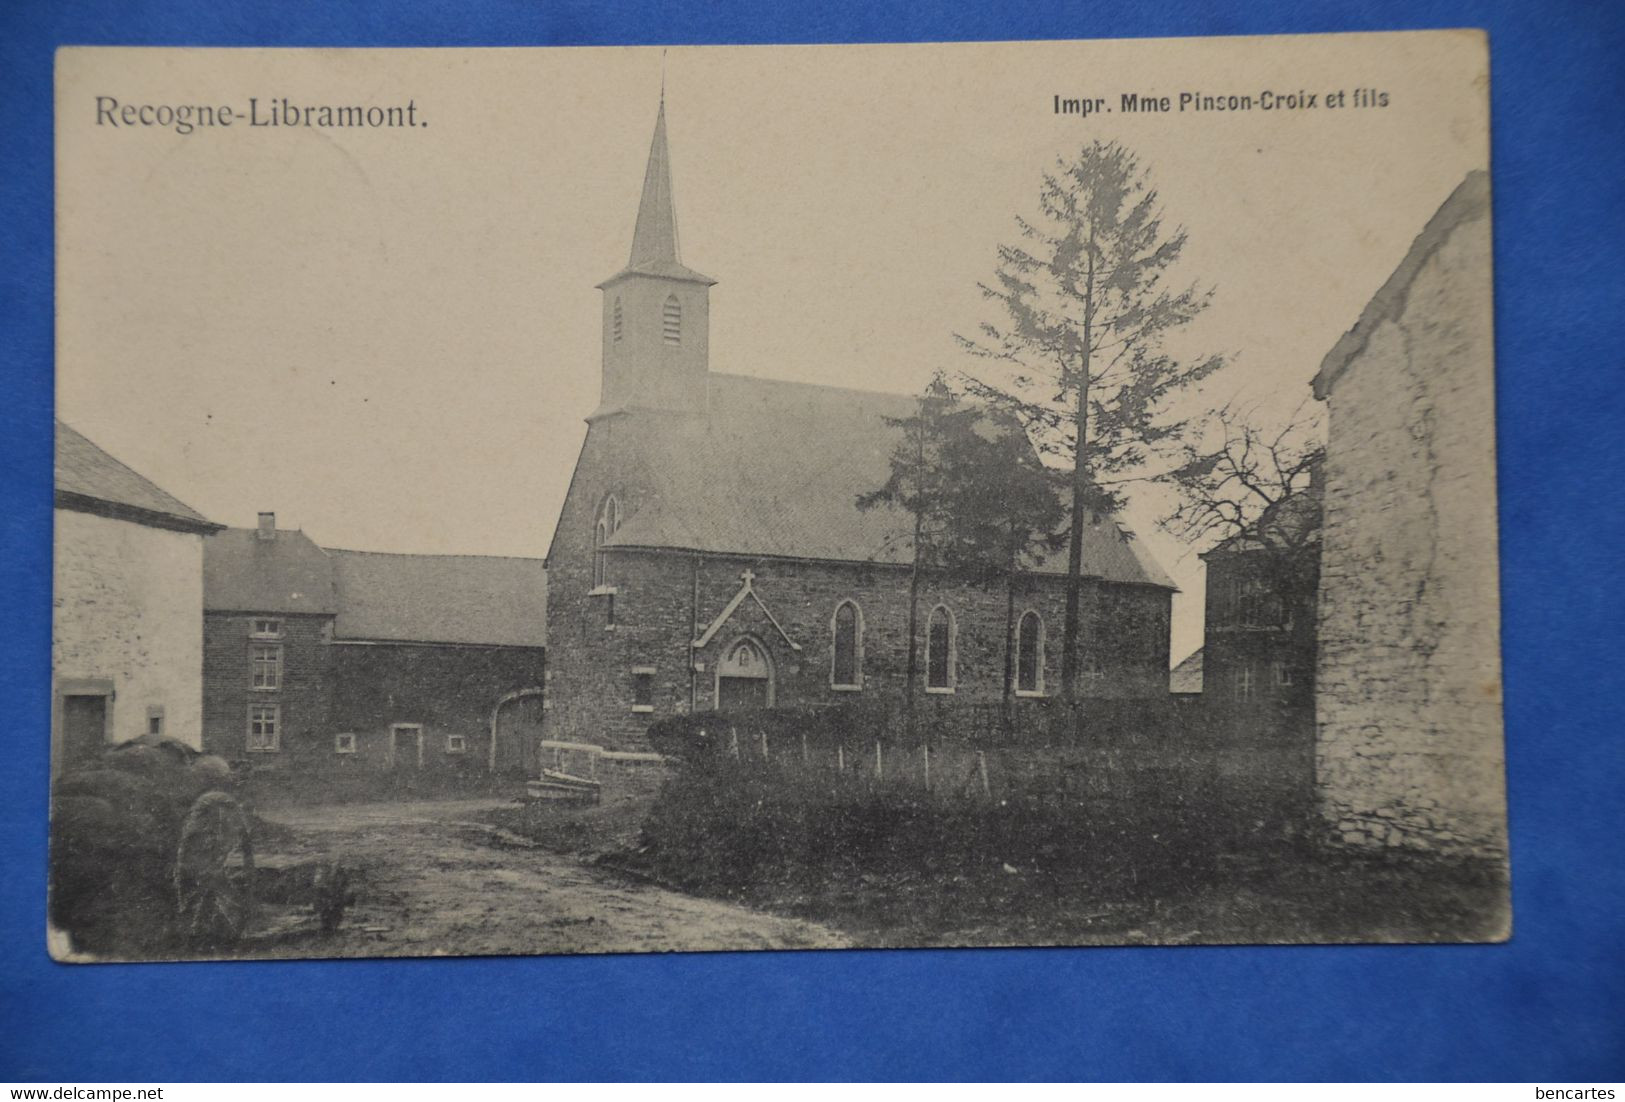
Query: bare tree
1238	480
1078	354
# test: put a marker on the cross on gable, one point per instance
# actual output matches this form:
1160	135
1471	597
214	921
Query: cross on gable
745	590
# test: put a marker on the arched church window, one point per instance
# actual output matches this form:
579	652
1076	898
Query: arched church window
1030	654
671	321
846	665
609	518
615	319
941	647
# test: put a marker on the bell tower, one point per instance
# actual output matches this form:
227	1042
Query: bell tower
657	313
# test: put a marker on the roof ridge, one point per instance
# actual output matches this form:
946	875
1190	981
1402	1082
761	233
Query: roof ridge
433	554
815	386
1469	200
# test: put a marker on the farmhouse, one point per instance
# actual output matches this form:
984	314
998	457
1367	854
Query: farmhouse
710	554
127	623
1258	654
320	661
1407	694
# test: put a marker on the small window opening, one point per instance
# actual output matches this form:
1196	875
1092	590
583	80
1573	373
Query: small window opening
671	321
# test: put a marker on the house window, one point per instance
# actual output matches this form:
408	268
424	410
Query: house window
1283	674
941	645
615	319
643	689
344	744
265	629
264	728
265	665
846	666
456	744
1257	605
1030	655
1244	682
155	719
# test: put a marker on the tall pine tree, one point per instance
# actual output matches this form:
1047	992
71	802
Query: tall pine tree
1078	351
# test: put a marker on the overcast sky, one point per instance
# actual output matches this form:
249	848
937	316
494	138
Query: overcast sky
390	337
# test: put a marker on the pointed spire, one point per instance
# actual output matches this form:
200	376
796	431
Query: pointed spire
655	239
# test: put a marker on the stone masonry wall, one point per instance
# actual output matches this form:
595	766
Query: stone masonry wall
305	695
128	608
1408	686
448	690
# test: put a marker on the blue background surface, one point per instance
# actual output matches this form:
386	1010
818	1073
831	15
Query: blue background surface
1548	1006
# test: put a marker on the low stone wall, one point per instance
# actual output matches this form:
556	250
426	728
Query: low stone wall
622	773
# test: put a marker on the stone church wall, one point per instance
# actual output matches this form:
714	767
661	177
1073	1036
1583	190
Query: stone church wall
663	600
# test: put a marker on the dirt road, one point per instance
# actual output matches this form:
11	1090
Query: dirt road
434	881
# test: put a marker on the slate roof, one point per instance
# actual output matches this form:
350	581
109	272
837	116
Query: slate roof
467	599
289	574
1470	200
1187	676
776	469
90	480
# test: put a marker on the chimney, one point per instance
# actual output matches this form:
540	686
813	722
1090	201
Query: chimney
267	526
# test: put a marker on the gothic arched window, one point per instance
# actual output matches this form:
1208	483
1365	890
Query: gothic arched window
615	319
941	647
1030	654
846	629
671	321
609	518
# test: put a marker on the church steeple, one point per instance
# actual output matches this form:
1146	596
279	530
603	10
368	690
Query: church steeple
656	310
655	239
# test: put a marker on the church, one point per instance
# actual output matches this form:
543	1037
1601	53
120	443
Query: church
710	554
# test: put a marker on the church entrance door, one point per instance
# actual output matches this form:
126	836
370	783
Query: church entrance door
744	678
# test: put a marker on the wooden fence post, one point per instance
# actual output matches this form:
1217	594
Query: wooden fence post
733	742
981	768
764	745
840	757
804	758
879	768
926	751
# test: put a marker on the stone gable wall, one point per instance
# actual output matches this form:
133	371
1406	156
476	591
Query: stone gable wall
127	608
1409	750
